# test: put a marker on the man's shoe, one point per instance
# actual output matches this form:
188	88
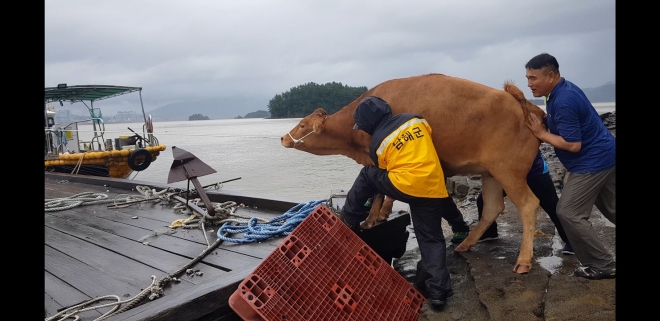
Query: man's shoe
440	301
568	250
488	237
458	237
593	274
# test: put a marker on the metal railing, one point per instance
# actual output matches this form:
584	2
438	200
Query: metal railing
98	133
56	141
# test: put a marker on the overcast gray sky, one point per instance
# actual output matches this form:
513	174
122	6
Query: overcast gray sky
201	49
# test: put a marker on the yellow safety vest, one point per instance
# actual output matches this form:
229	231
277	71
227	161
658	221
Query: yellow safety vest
409	156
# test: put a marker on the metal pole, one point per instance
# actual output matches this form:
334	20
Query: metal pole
187	191
145	118
91	144
46	134
229	180
141	104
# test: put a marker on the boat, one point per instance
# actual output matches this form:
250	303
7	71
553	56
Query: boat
67	150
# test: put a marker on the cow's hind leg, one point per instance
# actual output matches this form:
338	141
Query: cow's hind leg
527	204
493	205
374	212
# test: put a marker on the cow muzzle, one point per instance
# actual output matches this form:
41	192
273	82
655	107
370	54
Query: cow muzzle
296	141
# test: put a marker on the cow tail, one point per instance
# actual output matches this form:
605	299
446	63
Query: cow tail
514	91
527	107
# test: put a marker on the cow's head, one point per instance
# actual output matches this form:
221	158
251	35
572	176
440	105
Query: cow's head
322	134
310	125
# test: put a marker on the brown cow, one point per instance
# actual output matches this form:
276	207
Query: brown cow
477	130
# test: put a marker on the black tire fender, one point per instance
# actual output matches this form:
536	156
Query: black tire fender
139	159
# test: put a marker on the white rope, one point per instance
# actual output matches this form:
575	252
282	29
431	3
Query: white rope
85	198
91	198
76	168
76	309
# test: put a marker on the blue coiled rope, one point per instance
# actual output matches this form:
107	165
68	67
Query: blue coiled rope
278	226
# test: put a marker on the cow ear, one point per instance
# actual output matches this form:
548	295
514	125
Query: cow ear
320	112
318	125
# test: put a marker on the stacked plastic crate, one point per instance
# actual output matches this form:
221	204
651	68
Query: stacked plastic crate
324	271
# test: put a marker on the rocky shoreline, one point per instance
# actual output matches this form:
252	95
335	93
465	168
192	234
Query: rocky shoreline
485	286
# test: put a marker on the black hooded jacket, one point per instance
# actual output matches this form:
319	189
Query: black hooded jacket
402	145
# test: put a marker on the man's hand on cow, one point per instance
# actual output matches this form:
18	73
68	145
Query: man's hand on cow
535	125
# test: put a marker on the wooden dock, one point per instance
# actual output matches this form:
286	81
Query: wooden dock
93	251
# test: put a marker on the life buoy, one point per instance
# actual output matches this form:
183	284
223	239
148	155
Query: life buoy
139	159
150	125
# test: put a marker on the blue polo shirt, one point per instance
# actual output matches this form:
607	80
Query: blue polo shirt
571	116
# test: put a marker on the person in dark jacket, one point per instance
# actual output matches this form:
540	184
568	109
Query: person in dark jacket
408	169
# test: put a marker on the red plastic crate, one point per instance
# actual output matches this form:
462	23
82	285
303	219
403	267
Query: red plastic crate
323	271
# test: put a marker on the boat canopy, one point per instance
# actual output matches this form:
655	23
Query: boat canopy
88	92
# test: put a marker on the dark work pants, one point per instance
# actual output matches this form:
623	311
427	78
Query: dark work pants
544	189
454	217
426	216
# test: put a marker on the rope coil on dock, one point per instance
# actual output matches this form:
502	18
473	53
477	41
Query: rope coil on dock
85	198
92	198
278	226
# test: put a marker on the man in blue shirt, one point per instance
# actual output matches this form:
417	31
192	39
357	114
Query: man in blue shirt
588	152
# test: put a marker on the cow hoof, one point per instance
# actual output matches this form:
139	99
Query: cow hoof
383	216
461	248
521	268
366	226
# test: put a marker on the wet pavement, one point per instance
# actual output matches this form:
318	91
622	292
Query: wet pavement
486	288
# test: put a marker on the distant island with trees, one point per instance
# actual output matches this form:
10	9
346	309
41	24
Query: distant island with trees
198	117
302	100
255	114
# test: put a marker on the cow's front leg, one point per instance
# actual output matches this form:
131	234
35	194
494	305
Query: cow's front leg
374	212
386	208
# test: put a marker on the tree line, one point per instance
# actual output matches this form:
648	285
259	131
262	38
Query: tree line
198	117
302	100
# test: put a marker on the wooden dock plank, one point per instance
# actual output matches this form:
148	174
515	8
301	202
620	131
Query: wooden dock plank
93	250
135	257
85	278
66	296
212	297
184	249
166	214
126	184
258	250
